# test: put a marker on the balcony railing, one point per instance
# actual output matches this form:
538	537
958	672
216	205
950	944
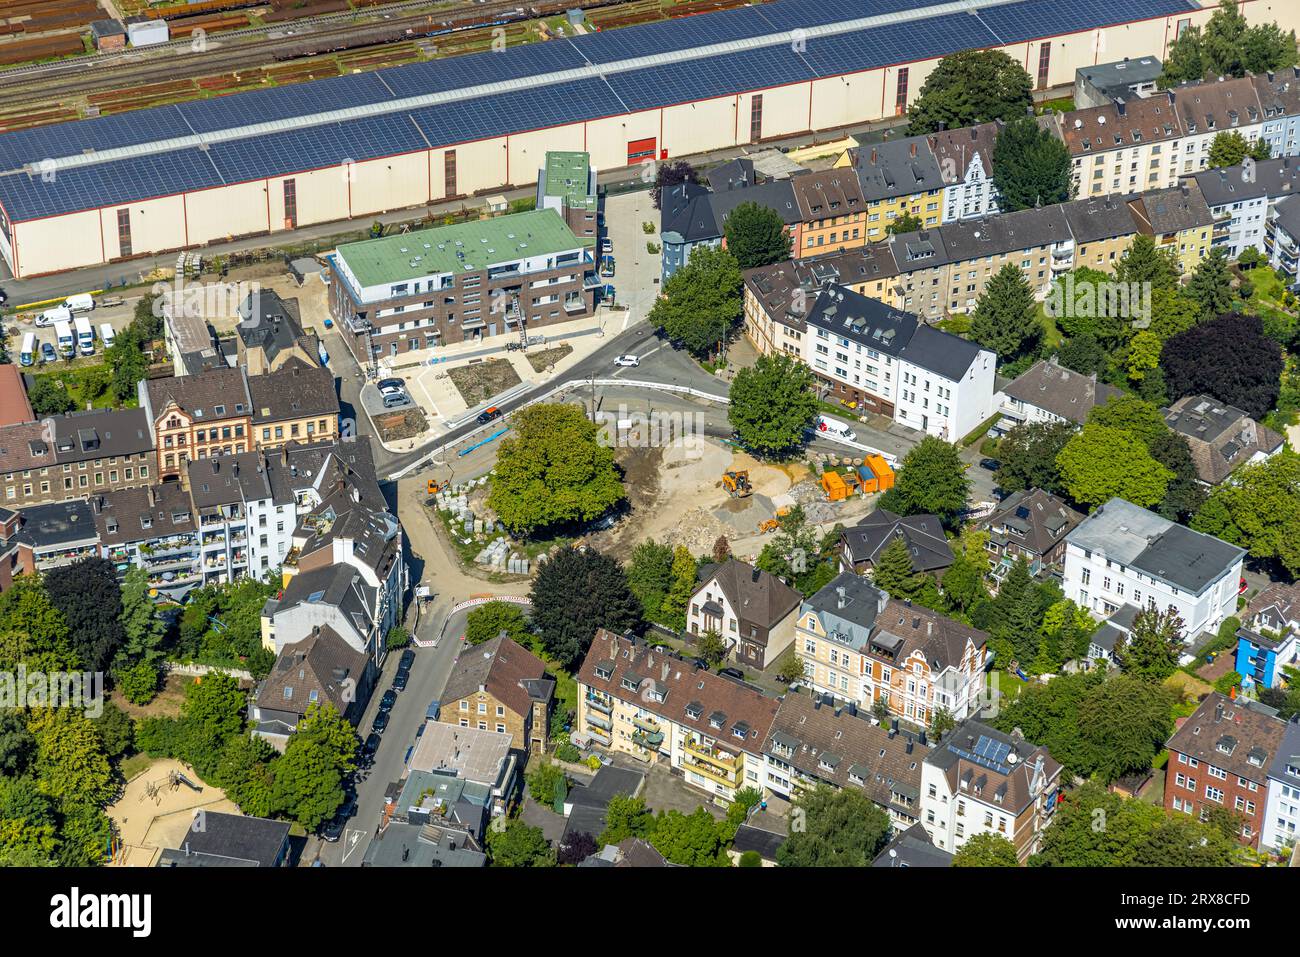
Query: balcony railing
601	706
645	723
599	722
725	778
713	756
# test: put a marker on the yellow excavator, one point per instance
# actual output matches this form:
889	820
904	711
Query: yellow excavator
737	484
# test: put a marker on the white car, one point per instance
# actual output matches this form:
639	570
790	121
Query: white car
627	361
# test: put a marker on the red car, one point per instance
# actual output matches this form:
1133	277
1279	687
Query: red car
1241	587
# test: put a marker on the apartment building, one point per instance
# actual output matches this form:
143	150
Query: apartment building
859	645
427	288
75	456
1220	758
982	781
270	334
815	742
752	610
832	211
1240	198
1282	807
500	686
197	416
152	527
1178	219
1282	238
1029	524
965	158
1124	146
1279	101
884	360
658	707
898	178
1123	554
692	215
1221	437
1103	228
566	183
1269	642
1049	392
55	534
294	403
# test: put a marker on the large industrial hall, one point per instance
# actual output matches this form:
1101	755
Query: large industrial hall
174	177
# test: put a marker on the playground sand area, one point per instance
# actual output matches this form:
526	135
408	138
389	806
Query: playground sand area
156	811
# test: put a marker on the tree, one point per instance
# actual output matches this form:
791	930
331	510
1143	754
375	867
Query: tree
49	397
578	848
543	780
792	553
771	403
1184	62
756	236
576	592
1172	312
701	301
308	777
789	669
830	828
116	731
70	761
721	549
711	648
127	360
1005	318
1028	453
1227	46
931	480
625	817
1152	649
1259	510
969	87
650	575
907	223
691	840
1031	167
142	630
553	470
986	850
682	587
1083	353
750	859
491	619
1211	284
1124	722
893	571
668	175
518	845
1100	463
1145	262
88	595
1230	358
32	630
1229	148
963	586
1143	421
214	702
17	744
1143	355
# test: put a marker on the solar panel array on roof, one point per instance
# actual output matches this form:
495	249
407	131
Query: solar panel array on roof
681	78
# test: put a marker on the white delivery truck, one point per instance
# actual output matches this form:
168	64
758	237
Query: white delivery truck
107	334
85	335
28	355
63	335
82	302
50	316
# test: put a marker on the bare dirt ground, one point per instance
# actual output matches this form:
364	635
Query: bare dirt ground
408	424
153	813
166	705
480	381
541	361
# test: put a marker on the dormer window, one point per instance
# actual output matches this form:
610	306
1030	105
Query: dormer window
603	671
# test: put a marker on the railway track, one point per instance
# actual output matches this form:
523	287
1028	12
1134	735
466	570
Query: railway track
261	46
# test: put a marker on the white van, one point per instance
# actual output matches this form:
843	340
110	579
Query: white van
835	428
63	335
28	355
107	334
50	316
82	302
85	335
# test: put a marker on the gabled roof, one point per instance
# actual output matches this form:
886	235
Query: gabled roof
100	433
912	848
895	168
321	668
1172	210
143	513
827	194
757	597
1220	436
956	149
1279	602
702	216
1033	519
1096	129
14	406
1098	218
507	671
848	608
923	535
735	715
776	286
214	395
1241	737
1271	178
250	841
904	628
294	391
997	768
1052	387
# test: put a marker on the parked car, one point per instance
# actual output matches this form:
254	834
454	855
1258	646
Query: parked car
408	658
370	747
631	361
732	673
1242	587
399	681
393	399
388	385
47	352
607	266
991	464
606	246
380	722
334	829
387	701
487	415
431	712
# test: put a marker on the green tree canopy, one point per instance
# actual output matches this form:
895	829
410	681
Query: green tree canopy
1031	166
830	828
1259	510
756	236
1153	647
518	845
1211	284
771	404
701	301
491	619
576	592
1100	463
49	397
969	87
931	480
1028	453
1006	317
553	470
986	850
650	575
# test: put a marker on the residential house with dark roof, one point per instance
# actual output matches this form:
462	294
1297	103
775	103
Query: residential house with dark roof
1221	437
1282	807
861	545
912	848
1049	392
691	215
1029	524
294	403
231	840
500	686
1102	227
1220	758
57	534
815	742
1123	554
152	527
861	646
1106	641
75	456
1240	198
322	669
965	158
832	211
432	844
981	781
197	416
660	708
898	177
270	334
1178	219
753	611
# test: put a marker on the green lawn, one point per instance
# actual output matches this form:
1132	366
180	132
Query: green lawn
86	384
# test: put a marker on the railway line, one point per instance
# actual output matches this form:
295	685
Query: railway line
247	49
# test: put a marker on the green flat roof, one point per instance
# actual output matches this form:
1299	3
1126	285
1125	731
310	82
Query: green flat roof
567	174
465	247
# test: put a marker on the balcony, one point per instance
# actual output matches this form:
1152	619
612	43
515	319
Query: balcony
728	779
646	723
648	739
572	306
357	324
591	281
597	721
601	706
724	765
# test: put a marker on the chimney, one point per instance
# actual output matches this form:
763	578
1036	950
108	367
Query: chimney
216	465
893	725
912	150
873	156
909	745
1218	712
893	731
152	500
922	739
284	455
929	627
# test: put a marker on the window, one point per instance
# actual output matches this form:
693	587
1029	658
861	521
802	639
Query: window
449	172
756	118
290	204
900	98
124	232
